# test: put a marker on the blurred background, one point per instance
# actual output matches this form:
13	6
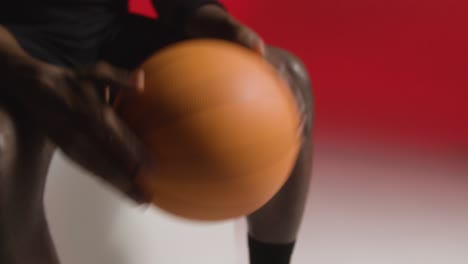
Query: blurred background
390	179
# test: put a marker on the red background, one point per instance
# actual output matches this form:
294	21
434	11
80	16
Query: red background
384	71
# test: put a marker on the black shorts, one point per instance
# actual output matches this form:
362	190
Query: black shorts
124	43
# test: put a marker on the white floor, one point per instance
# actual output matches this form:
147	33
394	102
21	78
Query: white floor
366	207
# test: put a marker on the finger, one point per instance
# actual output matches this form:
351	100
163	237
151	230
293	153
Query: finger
126	150
210	22
109	149
138	77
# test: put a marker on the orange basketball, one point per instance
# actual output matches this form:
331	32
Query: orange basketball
222	126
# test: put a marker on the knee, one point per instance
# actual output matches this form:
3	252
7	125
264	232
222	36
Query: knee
8	145
289	65
296	74
8	156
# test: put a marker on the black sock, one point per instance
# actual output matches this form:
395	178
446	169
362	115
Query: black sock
269	253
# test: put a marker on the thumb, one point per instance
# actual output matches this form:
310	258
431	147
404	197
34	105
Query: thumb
137	78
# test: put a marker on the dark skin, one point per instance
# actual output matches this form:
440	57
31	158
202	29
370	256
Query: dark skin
44	107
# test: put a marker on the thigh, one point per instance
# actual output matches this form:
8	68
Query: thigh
280	219
25	154
293	70
134	39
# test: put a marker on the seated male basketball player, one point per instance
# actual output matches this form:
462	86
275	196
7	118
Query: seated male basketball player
58	59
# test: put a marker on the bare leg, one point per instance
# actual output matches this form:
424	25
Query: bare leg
25	155
278	222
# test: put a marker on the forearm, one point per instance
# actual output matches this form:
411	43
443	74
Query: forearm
15	63
10	50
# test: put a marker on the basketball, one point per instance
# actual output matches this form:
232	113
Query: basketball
222	127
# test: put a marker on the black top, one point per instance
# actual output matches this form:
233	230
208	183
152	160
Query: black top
79	28
89	12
